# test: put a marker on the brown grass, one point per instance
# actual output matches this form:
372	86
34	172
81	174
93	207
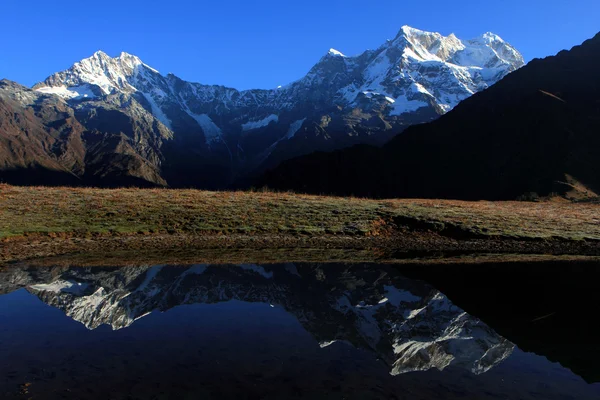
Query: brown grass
85	212
40	222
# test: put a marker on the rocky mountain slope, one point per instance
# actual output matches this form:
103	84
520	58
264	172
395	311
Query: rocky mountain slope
44	140
406	323
136	126
535	133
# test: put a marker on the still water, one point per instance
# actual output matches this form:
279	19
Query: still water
298	331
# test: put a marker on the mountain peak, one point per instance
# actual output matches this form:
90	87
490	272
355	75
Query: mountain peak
488	38
335	53
97	75
132	61
492	36
409	30
128	56
417	35
100	59
409	33
99	54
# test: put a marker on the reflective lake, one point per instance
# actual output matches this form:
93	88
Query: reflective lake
357	331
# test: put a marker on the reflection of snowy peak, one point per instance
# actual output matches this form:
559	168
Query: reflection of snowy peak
342	100
406	323
463	340
420	333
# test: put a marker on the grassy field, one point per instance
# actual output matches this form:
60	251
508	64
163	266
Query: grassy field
88	212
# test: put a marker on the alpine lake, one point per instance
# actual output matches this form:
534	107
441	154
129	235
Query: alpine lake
418	329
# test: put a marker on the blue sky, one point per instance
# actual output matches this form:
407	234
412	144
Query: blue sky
264	43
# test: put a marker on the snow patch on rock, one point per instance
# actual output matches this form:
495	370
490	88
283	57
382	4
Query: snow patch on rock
251	125
294	128
72	92
211	131
158	112
64	286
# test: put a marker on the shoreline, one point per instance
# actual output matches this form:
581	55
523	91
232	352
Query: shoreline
265	248
39	222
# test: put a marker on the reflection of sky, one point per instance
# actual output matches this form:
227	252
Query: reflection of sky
27	321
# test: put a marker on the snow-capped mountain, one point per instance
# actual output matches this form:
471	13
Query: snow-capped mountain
224	133
406	323
417	69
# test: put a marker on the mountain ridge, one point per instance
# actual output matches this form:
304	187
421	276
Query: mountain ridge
184	134
404	30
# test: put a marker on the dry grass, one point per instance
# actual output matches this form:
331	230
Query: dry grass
88	212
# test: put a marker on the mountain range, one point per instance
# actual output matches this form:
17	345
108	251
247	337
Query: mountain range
535	133
117	121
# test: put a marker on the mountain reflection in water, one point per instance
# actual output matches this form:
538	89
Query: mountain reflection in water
404	323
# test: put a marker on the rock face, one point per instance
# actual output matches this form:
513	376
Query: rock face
532	134
406	323
44	140
166	131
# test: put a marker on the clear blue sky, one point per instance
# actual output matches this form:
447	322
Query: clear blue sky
264	43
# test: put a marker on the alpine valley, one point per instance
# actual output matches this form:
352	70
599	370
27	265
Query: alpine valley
119	122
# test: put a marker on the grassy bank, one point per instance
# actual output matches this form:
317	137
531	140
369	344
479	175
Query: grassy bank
84	212
38	213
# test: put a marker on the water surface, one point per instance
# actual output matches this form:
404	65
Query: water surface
281	331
